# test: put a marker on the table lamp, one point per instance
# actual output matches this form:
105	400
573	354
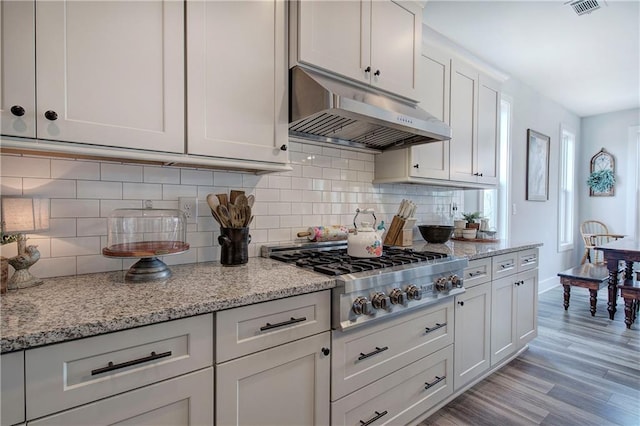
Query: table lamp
22	215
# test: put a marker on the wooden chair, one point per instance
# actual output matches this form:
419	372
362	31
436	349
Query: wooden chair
595	233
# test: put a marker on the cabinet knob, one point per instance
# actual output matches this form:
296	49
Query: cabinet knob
377	73
17	110
283	148
416	166
367	69
461	303
51	115
326	351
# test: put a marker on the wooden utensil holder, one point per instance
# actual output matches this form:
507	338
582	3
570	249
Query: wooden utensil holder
400	232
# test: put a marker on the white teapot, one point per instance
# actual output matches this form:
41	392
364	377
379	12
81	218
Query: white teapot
365	241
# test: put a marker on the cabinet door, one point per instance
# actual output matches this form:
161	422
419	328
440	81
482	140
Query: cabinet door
472	343
185	400
432	159
11	388
503	318
285	385
464	103
335	36
17	68
488	130
396	41
113	72
527	307
236	78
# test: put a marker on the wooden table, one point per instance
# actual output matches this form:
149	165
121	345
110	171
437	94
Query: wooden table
626	250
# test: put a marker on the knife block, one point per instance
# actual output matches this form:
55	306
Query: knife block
400	232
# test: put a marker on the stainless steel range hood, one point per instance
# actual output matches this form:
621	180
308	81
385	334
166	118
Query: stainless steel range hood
325	109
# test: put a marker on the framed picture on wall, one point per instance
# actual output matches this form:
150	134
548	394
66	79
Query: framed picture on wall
537	166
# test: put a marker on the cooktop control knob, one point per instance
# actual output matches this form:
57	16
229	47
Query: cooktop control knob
362	306
398	297
456	282
381	301
441	284
414	293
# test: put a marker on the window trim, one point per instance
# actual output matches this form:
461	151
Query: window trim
566	177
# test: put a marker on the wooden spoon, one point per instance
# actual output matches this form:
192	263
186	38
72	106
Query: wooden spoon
225	217
233	195
241	201
223	200
251	199
247	216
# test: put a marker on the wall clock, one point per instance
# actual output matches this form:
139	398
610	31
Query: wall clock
602	175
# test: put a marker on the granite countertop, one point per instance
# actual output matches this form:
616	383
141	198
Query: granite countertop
66	308
473	250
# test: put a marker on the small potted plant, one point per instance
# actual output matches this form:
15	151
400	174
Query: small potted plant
471	219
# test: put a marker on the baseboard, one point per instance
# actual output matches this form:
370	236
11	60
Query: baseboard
548	284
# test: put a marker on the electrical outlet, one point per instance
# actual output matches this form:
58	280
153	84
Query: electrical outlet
189	205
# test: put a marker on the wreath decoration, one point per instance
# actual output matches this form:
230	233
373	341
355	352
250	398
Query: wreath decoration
601	180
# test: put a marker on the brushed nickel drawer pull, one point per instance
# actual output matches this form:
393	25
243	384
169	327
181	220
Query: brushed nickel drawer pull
437	326
293	320
111	366
428	385
377	351
378	416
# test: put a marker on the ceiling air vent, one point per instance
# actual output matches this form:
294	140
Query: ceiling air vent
582	7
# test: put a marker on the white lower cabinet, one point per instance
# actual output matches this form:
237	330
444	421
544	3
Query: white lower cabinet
184	400
400	397
285	385
12	388
514	316
472	334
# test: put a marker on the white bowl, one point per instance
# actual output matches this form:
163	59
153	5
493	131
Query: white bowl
469	234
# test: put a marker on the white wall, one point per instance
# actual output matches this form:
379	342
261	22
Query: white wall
611	132
537	221
325	187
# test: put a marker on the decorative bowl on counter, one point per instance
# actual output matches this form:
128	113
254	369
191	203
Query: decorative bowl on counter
146	233
436	234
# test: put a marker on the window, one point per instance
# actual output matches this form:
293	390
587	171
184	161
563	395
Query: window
494	202
566	189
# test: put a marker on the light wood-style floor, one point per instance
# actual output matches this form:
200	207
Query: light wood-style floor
580	370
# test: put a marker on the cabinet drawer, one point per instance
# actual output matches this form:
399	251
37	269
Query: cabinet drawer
185	400
12	388
478	272
364	355
399	397
73	373
248	329
504	265
527	259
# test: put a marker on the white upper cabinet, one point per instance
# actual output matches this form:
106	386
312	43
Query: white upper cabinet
475	100
17	65
373	42
237	80
111	73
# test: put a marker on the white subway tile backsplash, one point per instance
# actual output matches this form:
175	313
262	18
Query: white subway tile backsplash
51	188
161	175
75	169
62	227
75	208
99	189
61	247
11	186
121	172
141	191
98	263
325	186
25	167
91	227
196	177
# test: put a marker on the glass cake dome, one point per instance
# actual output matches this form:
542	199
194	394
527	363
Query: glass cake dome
146	233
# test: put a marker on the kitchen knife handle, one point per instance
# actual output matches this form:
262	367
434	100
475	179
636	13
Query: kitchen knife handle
111	366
